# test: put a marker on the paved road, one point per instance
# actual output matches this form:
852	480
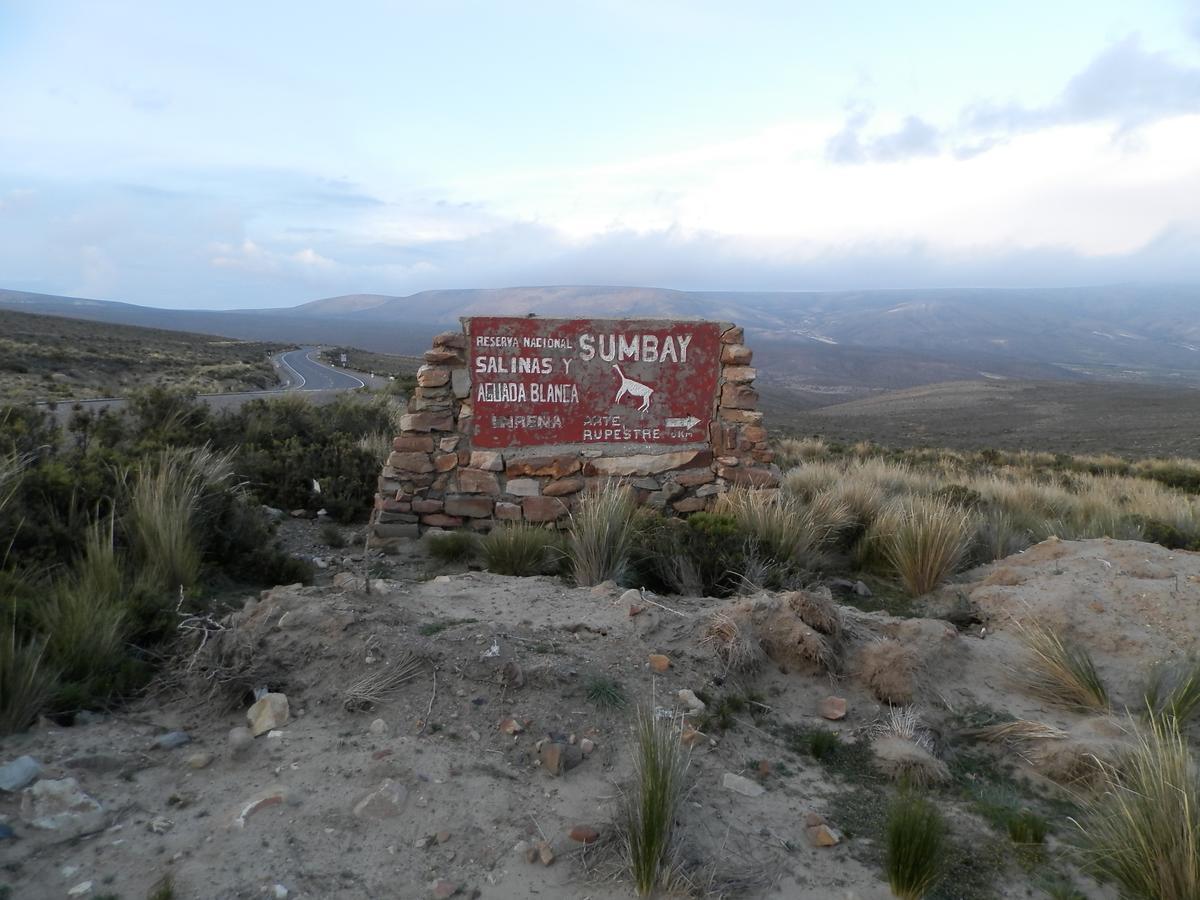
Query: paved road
298	372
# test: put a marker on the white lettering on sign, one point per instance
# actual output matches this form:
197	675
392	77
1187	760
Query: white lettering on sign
635	347
513	365
516	423
522	392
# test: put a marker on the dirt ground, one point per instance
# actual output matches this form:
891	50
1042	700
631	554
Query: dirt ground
429	786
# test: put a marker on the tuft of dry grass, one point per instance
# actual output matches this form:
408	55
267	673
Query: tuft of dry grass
1059	672
601	534
915	846
650	807
380	684
889	669
163	510
1173	689
733	639
906	762
521	549
27	682
923	540
1143	831
1018	731
785	528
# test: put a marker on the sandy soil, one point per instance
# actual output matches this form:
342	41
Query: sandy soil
456	794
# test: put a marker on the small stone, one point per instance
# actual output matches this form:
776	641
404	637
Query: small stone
385	802
861	589
240	739
691	737
689	699
833	708
263	800
584	834
379	727
545	853
742	785
550	755
586	746
279	892
268	712
823	836
443	889
510	726
632	596
84	887
526	850
421	843
442	837
172	739
659	662
160	825
813	819
60	805
19	773
199	760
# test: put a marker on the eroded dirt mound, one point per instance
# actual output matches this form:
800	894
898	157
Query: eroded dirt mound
447	783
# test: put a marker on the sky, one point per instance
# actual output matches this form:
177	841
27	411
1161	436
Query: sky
239	155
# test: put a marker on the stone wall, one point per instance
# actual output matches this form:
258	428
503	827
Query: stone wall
433	479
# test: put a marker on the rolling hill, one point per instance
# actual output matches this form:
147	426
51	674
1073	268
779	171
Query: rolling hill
56	358
819	348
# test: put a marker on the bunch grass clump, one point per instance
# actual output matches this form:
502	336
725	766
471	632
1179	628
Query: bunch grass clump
601	534
1173	690
521	549
453	546
923	540
85	618
1059	671
1143	831
660	764
605	692
27	682
783	527
916	846
164	508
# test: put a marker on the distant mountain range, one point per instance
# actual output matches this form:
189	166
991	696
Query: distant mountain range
817	348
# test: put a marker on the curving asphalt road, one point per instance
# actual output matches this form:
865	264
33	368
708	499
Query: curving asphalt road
300	372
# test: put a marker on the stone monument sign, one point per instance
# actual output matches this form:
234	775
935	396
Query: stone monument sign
514	417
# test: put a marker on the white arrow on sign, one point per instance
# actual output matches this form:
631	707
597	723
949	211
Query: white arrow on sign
687	424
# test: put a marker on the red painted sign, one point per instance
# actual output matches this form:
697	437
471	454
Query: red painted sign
591	381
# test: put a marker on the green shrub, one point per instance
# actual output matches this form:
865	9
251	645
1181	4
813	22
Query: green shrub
601	534
521	549
697	557
651	805
1027	828
331	536
916	846
823	744
453	546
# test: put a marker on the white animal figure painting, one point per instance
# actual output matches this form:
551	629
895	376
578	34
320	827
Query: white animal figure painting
633	389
